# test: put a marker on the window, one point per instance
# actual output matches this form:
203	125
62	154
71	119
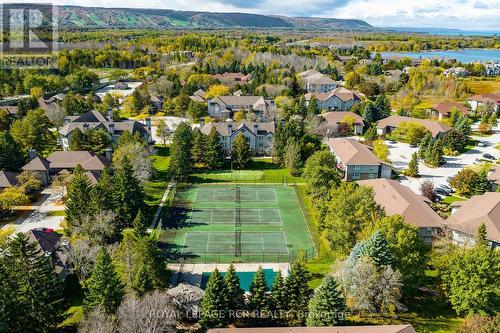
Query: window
355	176
356	167
371	175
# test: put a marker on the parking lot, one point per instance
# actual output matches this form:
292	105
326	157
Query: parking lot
400	155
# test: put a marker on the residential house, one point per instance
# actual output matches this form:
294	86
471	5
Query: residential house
53	104
443	109
7	179
494	177
486	101
389	124
260	136
64	161
199	96
398	199
456	72
334	120
121	89
95	120
339	99
317	82
334	329
492	69
10	110
224	107
51	244
468	215
157	102
233	78
357	161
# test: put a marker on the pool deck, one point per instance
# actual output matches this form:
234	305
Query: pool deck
192	273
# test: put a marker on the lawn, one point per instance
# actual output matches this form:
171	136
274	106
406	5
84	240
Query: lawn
483	87
73	294
451	198
260	170
155	187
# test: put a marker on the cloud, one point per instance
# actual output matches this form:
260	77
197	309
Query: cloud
460	14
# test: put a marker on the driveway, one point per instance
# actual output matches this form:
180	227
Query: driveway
40	212
400	155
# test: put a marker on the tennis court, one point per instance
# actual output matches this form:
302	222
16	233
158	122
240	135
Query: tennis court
242	223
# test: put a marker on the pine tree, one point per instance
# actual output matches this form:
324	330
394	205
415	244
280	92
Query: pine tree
30	291
213	153
143	281
412	169
327	307
214	304
297	287
437	153
234	291
424	145
181	162
258	300
312	107
104	287
78	140
370	114
79	197
383	106
240	152
293	159
139	224
482	236
278	301
102	192
128	197
153	259
482	183
199	147
371	133
12	157
376	247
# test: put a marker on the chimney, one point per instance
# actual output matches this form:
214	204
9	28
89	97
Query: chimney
32	154
108	153
229	128
85	127
112	128
255	128
110	115
202	122
148	123
66	120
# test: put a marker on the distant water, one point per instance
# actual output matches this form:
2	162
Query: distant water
463	55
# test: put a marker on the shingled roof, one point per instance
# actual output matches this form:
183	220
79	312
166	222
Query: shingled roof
68	160
445	108
335	329
335	117
434	127
341	93
8	179
352	152
223	128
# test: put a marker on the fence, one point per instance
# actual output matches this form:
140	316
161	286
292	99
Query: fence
308	218
246	179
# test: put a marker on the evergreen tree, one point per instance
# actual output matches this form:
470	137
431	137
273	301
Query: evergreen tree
214	304
12	158
482	184
370	114
234	292
30	291
79	197
240	152
376	247
412	169
312	107
258	299
371	133
424	145
383	106
128	197
482	237
102	192
199	147
143	281
293	159
297	287
104	287
213	152
181	162
139	224
278	301
327	307
78	141
153	259
437	153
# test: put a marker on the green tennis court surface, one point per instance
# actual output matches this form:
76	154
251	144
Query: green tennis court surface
242	223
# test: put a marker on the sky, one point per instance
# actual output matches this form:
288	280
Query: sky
454	14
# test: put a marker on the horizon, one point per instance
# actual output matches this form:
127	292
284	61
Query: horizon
451	14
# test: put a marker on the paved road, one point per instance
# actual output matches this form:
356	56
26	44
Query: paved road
400	155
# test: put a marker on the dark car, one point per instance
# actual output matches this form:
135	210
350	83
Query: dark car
488	156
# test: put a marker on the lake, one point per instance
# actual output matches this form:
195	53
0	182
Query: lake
462	55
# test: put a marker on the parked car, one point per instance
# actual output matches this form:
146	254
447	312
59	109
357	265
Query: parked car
441	192
482	144
489	157
446	188
412	145
393	142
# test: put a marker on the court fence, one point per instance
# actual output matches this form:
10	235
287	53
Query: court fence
246	179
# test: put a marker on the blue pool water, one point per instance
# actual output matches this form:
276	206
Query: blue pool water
245	278
463	55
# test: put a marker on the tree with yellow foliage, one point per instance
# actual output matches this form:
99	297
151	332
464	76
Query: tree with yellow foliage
217	90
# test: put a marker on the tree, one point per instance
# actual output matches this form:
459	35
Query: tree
162	131
321	174
482	237
371	133
31	292
214	305
104	287
138	155
293	160
240	152
376	247
424	145
12	196
128	196
383	106
472	280
370	115
139	224
312	107
381	150
465	182
199	147
213	150
216	90
258	299
410	131
279	295
32	131
412	169
297	287
102	192
327	307
181	162
235	294
12	158
143	281
100	227
79	197
350	210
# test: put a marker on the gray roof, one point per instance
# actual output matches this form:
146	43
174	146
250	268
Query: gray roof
352	152
8	179
48	241
256	102
68	160
223	127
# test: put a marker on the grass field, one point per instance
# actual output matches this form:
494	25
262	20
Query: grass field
483	87
241	223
